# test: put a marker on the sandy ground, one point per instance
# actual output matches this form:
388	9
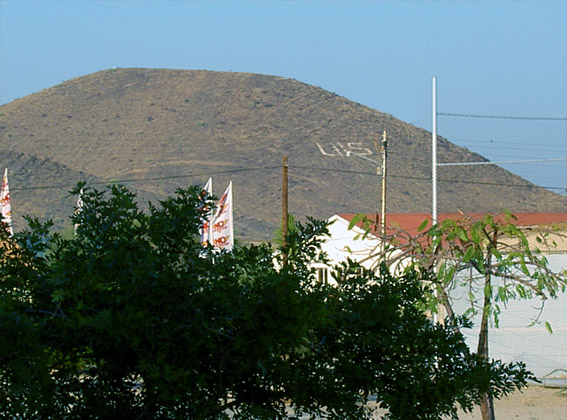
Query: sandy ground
534	403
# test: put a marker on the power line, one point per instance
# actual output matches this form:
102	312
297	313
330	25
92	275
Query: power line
502	117
346	171
501	163
503	145
496	141
265	168
159	178
428	179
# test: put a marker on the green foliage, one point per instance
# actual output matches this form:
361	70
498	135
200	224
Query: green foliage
504	265
132	319
384	345
491	255
292	228
498	257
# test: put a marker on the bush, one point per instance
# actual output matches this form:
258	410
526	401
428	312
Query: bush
131	318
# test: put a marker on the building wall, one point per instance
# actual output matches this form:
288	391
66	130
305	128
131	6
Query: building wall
518	338
522	335
341	244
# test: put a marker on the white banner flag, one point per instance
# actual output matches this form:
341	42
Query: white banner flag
205	230
79	206
222	227
5	204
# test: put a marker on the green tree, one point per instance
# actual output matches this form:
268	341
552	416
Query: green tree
131	318
491	255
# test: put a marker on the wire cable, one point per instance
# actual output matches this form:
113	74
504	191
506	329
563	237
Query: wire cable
502	117
159	178
265	168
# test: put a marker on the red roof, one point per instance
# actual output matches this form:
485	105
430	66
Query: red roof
409	222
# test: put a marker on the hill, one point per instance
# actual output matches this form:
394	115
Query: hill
159	129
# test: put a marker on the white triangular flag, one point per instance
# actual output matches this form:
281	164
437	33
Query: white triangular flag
5	204
223	234
205	230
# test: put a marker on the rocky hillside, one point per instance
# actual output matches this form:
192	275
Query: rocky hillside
156	130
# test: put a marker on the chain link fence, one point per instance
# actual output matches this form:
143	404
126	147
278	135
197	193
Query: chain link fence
534	148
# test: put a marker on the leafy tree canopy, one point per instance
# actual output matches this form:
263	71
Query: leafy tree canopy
500	262
131	318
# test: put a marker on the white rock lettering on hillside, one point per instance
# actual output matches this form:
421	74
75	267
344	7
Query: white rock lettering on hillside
339	149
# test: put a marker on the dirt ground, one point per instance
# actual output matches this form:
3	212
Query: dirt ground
534	403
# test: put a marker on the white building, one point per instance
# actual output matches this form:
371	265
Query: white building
343	243
517	339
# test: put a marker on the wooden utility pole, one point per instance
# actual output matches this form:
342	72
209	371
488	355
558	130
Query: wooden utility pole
284	209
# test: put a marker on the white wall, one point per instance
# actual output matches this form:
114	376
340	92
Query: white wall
514	340
344	243
517	339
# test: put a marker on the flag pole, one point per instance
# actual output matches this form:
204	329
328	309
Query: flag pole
434	215
384	156
284	208
384	152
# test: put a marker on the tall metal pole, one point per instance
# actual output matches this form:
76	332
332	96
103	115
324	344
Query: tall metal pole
434	152
284	209
434	216
384	155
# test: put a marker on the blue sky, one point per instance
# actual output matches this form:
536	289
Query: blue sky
503	58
